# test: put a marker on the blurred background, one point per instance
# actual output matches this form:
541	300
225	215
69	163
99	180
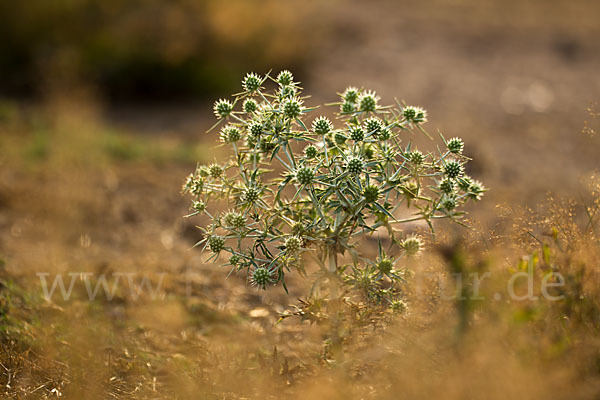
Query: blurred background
105	104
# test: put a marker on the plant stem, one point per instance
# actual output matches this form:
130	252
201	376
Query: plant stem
334	287
332	260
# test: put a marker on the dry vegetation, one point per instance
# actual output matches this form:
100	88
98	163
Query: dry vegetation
84	189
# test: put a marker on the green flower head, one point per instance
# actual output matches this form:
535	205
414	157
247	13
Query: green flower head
415	115
292	108
455	145
412	245
230	134
250	106
216	244
322	125
367	101
356	133
310	151
215	170
350	95
347	108
385	265
416	157
293	244
261	277
453	169
252	82
355	165
305	175
373	126
223	108
371	193
285	78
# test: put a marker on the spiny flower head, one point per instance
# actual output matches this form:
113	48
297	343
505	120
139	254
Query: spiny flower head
252	82
356	133
230	134
293	244
367	101
216	244
412	245
398	306
285	78
373	125
261	277
449	203
234	260
355	165
215	170
415	115
371	193
339	138
250	105
235	220
455	145
347	107
198	205
464	183
416	157
305	175
447	186
223	108
250	195
292	108
384	134
310	151
322	125
453	169
476	190
385	265
350	94
255	129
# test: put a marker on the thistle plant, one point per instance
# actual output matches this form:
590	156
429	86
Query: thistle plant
299	188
